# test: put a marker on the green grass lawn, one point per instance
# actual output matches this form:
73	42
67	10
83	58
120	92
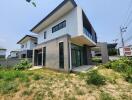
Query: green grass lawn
44	84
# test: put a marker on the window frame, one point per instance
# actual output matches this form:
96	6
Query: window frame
61	55
59	26
45	34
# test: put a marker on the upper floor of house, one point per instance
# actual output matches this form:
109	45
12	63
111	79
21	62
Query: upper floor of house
28	42
67	18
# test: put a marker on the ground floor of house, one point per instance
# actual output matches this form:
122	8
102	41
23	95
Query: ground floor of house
62	54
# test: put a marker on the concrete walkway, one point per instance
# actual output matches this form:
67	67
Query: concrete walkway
35	67
82	68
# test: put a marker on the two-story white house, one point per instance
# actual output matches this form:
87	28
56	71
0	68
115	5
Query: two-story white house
2	53
27	44
65	37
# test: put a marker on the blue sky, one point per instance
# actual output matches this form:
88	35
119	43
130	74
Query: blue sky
17	17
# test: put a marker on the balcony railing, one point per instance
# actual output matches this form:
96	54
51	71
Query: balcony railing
91	36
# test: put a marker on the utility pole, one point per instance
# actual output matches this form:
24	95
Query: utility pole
122	30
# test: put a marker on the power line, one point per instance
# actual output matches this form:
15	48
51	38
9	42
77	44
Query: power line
129	37
128	14
129	23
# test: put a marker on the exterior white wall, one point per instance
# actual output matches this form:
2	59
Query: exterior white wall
74	26
2	52
79	21
121	51
28	45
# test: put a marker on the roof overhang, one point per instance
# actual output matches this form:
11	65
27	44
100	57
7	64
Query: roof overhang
26	38
83	40
65	7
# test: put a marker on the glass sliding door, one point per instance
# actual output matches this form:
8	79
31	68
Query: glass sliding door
77	56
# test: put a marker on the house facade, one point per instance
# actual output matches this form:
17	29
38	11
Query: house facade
2	53
65	38
126	51
27	43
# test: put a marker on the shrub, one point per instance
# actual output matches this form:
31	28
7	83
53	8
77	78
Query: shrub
108	65
128	78
123	65
105	96
24	64
93	77
9	75
37	77
26	93
97	60
128	74
120	65
8	87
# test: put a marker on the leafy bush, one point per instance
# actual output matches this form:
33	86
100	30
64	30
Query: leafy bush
24	64
9	75
128	74
8	87
97	60
120	65
93	77
123	65
105	96
128	78
37	77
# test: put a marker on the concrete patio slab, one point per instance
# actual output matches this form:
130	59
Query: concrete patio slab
35	67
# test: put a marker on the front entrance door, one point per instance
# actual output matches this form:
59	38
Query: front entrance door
39	59
76	53
76	58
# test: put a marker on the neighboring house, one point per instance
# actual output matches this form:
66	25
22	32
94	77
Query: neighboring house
27	43
65	38
2	53
126	51
14	54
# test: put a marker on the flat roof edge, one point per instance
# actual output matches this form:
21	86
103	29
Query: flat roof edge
52	12
25	37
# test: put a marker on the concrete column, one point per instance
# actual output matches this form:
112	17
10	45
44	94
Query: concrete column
70	60
104	52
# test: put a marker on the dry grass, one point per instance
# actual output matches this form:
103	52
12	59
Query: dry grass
45	84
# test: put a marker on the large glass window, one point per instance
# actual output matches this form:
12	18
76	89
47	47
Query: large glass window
59	26
61	55
44	56
45	33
